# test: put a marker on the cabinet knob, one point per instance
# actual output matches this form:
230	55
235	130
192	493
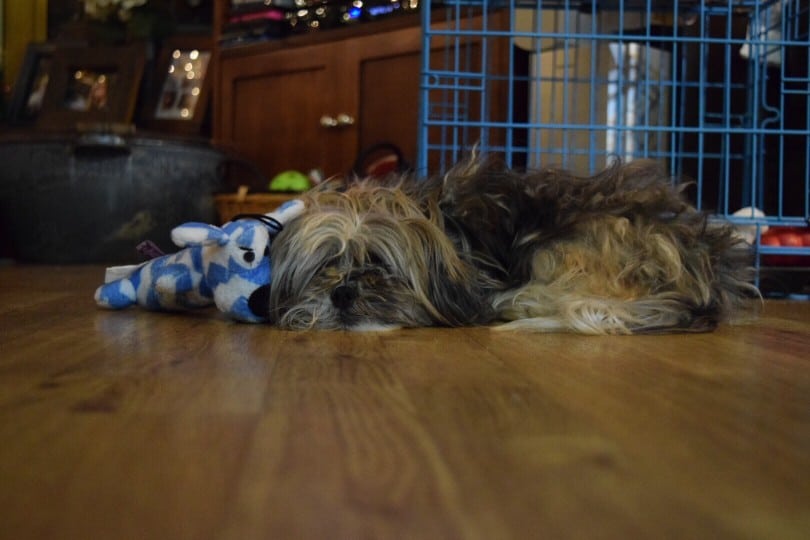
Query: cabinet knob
341	120
328	121
344	119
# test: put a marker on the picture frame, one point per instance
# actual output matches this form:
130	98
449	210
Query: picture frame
179	99
92	85
29	89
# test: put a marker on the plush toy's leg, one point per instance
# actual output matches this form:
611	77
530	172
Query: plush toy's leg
175	287
115	273
116	294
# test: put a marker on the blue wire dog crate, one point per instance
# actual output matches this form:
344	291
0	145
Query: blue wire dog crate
718	91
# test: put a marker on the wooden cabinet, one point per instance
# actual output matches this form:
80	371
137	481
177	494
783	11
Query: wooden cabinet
317	105
317	101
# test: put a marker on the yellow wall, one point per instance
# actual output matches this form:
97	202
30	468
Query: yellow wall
24	21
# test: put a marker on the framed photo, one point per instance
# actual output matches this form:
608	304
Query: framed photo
179	99
32	82
89	85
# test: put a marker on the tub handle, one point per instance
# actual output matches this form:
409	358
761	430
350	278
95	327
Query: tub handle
100	145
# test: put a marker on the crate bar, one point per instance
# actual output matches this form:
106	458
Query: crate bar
806	80
681	39
510	107
592	154
743	5
676	138
707	128
782	117
536	104
756	79
424	91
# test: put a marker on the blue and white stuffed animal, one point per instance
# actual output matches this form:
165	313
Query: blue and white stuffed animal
228	266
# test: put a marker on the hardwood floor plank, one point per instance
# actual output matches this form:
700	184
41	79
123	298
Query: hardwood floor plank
141	425
339	438
703	425
515	442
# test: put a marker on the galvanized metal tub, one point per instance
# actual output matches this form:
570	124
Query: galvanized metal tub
92	198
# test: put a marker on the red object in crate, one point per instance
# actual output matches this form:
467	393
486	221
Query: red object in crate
792	237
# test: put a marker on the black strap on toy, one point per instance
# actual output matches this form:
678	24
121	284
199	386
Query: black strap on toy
271	223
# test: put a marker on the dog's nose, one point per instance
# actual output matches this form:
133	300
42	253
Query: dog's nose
343	296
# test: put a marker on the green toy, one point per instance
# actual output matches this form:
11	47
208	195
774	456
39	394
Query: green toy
290	181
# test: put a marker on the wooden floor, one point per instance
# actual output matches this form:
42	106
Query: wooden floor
119	425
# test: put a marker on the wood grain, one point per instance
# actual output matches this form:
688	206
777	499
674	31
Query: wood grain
140	425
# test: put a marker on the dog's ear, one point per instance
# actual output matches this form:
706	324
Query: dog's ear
460	303
445	284
456	291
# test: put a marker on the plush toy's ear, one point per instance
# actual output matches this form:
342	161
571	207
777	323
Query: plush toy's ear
198	234
287	211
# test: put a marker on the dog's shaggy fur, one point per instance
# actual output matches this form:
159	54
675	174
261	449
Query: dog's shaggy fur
620	252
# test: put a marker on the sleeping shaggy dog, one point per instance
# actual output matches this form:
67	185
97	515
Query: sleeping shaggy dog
618	253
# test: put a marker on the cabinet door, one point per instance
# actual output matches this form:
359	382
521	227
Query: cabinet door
271	109
389	80
388	96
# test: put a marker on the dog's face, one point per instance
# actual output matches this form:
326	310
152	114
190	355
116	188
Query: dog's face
370	257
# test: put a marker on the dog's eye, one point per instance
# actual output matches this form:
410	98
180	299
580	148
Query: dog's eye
249	256
375	260
376	264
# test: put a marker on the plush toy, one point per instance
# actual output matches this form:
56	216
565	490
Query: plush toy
228	266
